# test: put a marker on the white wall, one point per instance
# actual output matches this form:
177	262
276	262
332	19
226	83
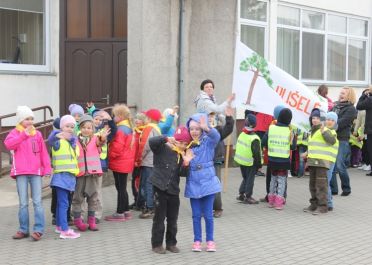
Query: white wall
31	89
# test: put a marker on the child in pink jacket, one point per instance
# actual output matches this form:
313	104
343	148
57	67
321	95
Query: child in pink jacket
30	162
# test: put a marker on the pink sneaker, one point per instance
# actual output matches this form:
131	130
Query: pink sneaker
271	200
211	246
69	234
58	230
116	217
128	215
196	247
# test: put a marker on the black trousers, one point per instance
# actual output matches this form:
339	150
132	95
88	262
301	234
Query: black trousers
166	206
121	187
365	153
248	174
369	147
53	205
268	179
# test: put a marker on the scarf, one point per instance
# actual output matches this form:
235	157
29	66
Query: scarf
179	153
125	123
84	140
193	143
20	128
139	129
155	126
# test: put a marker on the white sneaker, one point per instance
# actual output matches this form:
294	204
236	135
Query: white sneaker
69	234
362	166
367	168
290	175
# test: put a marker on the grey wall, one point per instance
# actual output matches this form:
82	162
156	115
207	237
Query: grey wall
153	50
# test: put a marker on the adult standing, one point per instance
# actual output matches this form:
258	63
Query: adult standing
323	91
365	103
346	112
205	102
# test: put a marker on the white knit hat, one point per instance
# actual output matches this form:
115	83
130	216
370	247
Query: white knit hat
24	112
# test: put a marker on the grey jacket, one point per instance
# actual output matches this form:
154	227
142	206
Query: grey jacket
147	155
205	104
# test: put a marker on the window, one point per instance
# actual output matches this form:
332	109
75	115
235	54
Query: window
23	35
319	46
253	25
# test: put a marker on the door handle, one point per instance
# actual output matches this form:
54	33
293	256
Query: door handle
107	98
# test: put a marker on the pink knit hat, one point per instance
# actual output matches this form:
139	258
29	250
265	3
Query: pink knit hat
67	119
182	134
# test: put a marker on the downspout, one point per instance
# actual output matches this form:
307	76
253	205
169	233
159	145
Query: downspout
181	36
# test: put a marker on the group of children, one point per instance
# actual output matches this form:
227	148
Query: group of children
280	141
84	146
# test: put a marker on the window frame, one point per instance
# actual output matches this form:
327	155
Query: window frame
256	23
326	33
9	68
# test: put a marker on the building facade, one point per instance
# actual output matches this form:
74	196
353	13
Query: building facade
155	53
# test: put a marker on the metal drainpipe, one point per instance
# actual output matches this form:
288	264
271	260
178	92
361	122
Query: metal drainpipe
181	60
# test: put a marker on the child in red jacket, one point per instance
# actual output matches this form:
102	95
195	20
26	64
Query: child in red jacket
121	155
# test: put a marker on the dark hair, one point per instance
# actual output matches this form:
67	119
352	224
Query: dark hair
323	90
206	81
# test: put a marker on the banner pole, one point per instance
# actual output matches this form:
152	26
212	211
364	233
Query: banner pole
227	157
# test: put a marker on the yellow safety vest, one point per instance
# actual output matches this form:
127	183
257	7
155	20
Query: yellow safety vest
354	141
319	149
301	139
279	141
243	153
65	158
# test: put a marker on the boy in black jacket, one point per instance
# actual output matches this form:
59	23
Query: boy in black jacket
170	161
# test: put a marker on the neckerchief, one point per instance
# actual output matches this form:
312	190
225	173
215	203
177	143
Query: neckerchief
155	126
20	128
124	122
139	129
179	153
84	140
193	143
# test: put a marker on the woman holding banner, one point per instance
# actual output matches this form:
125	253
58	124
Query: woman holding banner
346	112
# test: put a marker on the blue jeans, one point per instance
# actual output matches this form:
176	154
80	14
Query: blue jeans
301	165
341	167
62	207
202	207
23	216
146	187
329	178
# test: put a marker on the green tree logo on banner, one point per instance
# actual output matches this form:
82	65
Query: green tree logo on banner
258	65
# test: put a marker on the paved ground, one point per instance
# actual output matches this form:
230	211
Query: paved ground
244	235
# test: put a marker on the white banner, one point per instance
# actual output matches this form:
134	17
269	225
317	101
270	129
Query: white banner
260	86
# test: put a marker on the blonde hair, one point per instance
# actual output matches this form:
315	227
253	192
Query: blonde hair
122	111
370	88
351	97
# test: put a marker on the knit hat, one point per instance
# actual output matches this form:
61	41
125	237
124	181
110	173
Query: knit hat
141	116
66	119
85	118
75	109
153	114
96	112
285	116
332	116
250	121
24	112
182	134
315	113
56	123
277	110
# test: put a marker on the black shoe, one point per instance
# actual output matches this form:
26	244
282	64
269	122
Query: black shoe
54	221
330	209
344	193
240	197
260	174
369	174
334	193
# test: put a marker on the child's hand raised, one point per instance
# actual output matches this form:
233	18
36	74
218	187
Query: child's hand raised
187	157
104	133
171	140
229	111
29	130
204	124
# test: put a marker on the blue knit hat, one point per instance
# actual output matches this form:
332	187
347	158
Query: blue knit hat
332	116
277	110
76	109
250	121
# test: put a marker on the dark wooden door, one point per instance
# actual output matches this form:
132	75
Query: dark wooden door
93	52
89	72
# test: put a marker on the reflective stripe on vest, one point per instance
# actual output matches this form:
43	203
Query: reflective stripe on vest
243	152
278	141
65	158
89	159
319	149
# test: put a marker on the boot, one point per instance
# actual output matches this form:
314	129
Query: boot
92	223
78	222
279	202
271	200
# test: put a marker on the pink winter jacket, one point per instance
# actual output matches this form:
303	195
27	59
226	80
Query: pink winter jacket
30	155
